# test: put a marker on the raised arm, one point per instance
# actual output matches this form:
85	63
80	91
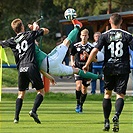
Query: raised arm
35	26
52	80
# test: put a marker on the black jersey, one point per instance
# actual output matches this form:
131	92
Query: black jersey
77	51
23	46
116	44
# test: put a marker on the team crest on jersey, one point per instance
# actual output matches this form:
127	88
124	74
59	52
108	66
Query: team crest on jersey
87	50
78	49
116	37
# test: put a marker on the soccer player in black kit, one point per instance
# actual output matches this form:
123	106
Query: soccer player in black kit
23	47
78	59
116	68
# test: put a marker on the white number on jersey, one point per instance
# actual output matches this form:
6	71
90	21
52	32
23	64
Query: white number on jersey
118	46
22	47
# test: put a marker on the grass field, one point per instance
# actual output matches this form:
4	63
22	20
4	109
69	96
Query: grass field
58	116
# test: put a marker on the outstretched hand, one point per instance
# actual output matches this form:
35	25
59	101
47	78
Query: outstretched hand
46	31
33	26
85	68
30	26
53	82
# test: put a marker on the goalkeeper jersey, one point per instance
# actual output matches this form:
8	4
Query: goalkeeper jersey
40	55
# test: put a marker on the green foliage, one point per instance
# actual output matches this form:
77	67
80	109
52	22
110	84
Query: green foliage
52	10
94	7
13	9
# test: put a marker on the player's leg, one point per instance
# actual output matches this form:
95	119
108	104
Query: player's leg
19	103
87	75
73	34
78	92
120	94
37	83
56	56
110	84
107	106
23	84
37	103
118	107
85	84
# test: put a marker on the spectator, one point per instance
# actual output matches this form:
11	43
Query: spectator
100	60
131	61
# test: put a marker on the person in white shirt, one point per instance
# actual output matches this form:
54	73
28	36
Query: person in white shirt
100	59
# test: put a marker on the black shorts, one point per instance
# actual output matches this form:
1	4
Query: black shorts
118	83
29	74
85	82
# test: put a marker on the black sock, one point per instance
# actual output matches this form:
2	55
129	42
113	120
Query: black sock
37	103
78	95
107	106
19	103
83	98
119	106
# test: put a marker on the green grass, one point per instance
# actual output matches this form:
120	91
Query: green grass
57	114
9	75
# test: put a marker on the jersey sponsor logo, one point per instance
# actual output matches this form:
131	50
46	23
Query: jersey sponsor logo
24	69
116	46
116	36
82	57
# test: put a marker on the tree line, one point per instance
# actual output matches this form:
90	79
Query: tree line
53	11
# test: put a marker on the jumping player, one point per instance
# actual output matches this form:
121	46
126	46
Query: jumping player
116	67
23	47
52	63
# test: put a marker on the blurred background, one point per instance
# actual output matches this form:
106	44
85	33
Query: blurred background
53	14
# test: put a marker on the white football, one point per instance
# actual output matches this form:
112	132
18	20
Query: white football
70	14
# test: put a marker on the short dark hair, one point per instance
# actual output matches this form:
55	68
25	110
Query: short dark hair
16	25
116	18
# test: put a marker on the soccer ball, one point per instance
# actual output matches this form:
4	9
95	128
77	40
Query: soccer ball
70	14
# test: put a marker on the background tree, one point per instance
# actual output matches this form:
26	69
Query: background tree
14	9
52	11
95	7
